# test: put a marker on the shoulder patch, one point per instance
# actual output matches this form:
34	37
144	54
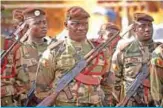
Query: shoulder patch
157	61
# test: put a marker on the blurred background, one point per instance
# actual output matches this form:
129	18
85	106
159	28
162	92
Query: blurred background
118	11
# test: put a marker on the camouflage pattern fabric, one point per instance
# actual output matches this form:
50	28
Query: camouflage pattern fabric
156	75
126	63
57	61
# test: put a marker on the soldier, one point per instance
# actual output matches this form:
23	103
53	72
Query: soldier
62	57
104	34
29	53
129	59
156	76
9	92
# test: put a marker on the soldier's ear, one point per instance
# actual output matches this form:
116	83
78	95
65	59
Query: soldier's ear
65	24
134	27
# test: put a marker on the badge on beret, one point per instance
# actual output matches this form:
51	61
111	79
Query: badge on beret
37	13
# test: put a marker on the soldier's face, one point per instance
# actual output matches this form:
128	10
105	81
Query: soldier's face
77	29
38	27
144	30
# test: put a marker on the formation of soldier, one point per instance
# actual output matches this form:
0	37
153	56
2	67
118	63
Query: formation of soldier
77	71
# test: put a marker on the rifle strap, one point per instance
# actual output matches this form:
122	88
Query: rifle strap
5	59
13	73
86	78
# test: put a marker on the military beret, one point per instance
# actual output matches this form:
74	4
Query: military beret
18	15
142	16
76	13
32	13
109	25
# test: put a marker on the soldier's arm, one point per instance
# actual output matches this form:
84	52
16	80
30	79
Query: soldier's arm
107	84
116	69
156	75
156	82
45	73
22	78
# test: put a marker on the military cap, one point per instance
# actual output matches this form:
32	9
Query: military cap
33	13
109	25
76	13
142	16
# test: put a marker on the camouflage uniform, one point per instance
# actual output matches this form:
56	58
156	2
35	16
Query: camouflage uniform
157	75
127	62
60	58
104	34
10	79
29	53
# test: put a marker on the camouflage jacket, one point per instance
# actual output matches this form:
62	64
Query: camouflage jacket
156	75
126	64
56	62
25	62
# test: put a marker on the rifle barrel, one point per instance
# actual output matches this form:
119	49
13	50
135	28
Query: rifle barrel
99	48
6	52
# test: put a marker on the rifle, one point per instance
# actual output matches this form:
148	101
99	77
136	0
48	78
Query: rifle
30	93
142	75
16	39
72	73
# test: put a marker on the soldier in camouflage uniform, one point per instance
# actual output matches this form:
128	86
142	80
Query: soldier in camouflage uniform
129	58
29	53
60	58
9	91
104	34
156	76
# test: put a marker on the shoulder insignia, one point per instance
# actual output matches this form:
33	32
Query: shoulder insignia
157	61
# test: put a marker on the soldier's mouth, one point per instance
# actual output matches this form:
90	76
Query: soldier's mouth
44	31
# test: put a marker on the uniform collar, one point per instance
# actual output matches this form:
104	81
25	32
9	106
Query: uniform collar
75	43
149	43
35	44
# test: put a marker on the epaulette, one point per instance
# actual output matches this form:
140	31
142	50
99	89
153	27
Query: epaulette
123	43
55	44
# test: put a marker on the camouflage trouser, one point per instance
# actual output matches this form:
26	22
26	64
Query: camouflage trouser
8	101
61	103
